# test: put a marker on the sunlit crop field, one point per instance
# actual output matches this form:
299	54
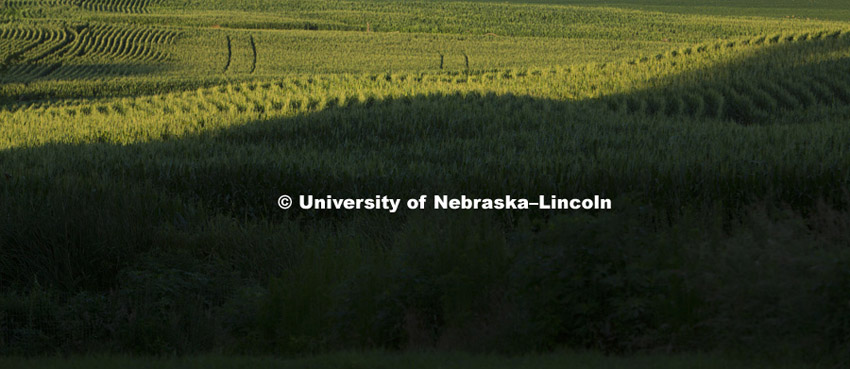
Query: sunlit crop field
144	145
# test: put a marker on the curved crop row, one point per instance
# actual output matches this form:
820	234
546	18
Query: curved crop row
27	40
22	33
751	100
119	6
45	57
748	96
54	41
760	85
31	48
17	4
124	44
750	42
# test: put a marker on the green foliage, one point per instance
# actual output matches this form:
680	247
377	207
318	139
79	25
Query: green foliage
47	50
143	145
8	14
153	308
295	315
446	276
611	282
90	43
593	281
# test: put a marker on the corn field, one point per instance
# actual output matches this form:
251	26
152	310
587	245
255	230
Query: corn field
144	145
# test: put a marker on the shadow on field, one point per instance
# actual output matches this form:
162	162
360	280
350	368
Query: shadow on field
196	217
25	85
30	73
474	144
767	85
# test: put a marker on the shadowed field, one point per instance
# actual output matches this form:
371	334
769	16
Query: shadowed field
410	360
143	146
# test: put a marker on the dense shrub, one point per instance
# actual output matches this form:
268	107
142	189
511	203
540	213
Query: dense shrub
592	282
620	281
155	308
442	284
